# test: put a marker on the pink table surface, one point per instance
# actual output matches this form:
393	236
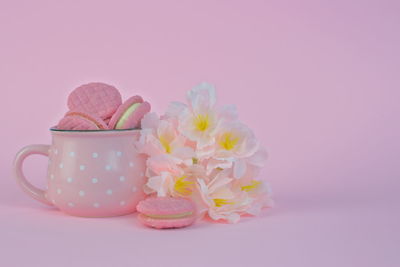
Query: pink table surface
318	81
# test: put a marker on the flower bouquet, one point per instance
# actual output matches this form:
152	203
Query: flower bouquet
202	152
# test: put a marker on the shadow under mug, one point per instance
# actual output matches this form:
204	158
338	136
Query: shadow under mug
90	173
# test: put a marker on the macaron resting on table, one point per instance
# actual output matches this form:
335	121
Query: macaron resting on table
166	212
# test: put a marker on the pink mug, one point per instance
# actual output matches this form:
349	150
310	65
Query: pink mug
90	173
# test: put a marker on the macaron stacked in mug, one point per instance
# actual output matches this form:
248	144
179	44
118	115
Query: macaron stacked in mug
98	106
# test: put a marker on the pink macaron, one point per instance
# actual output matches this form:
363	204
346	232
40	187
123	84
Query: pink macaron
129	114
96	98
81	120
166	212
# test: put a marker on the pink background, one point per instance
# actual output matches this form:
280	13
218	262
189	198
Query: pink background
318	81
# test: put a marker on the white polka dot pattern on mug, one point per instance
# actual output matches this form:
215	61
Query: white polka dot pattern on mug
94	178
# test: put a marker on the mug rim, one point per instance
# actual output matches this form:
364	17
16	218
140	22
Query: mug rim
53	129
93	133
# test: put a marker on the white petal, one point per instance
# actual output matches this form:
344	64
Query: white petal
203	186
229	113
202	190
165	130
150	121
162	163
178	141
149	173
214	215
239	168
259	158
254	209
147	190
250	146
155	183
175	109
219	181
205	152
202	96
142	139
183	153
150	146
225	193
218	163
233	218
204	141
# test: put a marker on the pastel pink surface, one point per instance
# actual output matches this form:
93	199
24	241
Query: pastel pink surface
81	120
166	223
165	206
317	81
95	98
134	119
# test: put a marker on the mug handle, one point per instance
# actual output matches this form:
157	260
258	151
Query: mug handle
28	188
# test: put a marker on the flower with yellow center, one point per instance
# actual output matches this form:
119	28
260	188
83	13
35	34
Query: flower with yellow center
198	120
223	202
168	184
228	141
183	187
235	139
166	144
252	186
161	137
201	122
219	202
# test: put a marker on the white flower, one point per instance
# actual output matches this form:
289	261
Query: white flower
228	198
236	147
160	137
199	120
204	153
